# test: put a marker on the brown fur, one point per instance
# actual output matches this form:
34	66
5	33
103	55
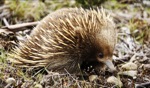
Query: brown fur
65	39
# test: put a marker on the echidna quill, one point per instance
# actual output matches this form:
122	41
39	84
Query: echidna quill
67	38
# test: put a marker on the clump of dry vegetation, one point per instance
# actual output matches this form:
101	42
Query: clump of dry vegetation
131	55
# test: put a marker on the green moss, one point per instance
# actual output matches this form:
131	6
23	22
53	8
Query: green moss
90	3
27	10
141	26
2	56
115	5
53	5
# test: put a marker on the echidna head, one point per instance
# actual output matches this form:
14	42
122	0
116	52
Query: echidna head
102	40
106	41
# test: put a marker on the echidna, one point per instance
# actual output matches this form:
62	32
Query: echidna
67	38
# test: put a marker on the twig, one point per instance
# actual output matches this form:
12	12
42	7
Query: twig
3	7
6	22
73	78
17	26
143	85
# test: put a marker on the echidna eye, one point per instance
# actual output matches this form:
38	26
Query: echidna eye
100	55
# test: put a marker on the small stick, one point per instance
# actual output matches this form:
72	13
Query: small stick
73	78
4	7
16	26
143	85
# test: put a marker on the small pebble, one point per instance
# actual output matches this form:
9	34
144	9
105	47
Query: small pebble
10	81
38	86
130	73
147	67
129	66
92	77
115	81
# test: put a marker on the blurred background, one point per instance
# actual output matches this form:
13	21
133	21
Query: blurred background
132	18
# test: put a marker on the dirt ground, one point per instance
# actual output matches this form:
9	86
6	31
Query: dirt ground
131	55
